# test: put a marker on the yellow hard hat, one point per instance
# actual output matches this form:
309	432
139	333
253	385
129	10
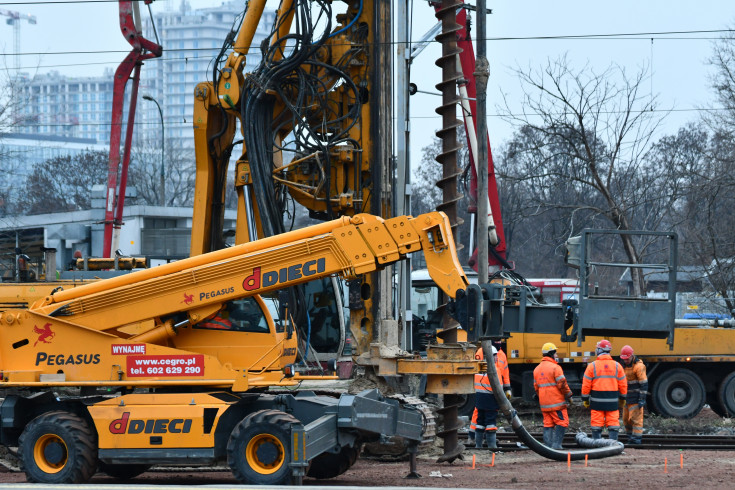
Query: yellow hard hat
548	347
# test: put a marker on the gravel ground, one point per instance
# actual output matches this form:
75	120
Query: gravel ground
635	468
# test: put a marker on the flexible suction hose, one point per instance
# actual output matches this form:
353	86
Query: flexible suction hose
604	449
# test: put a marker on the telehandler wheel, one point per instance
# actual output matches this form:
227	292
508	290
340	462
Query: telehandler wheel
58	447
726	393
123	471
328	465
258	451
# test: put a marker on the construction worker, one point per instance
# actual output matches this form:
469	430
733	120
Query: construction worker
553	395
486	406
635	372
503	371
604	389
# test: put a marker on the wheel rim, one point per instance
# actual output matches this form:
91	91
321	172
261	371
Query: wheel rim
680	395
265	454
50	453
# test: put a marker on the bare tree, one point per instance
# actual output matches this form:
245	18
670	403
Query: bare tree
179	173
585	140
11	161
63	183
426	195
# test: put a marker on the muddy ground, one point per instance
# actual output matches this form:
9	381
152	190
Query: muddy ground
635	468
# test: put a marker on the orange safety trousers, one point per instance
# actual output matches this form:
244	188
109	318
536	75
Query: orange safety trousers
633	419
556	417
473	423
609	419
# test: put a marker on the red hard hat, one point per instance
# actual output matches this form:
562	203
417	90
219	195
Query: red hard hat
604	345
626	352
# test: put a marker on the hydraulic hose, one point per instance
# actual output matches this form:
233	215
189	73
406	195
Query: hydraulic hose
611	448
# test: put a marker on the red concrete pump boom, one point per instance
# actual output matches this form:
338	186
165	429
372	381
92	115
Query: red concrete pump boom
143	49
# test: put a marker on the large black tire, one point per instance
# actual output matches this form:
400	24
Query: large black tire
58	447
726	394
715	405
678	393
329	465
259	449
123	471
467	407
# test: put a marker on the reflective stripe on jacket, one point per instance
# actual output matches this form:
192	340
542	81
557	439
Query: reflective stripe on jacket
551	385
215	322
637	381
603	383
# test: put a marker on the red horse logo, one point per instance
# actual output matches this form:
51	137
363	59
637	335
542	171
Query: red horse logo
188	299
45	334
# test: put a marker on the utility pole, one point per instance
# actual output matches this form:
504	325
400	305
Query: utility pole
482	73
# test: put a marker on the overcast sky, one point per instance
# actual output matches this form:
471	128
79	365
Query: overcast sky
678	61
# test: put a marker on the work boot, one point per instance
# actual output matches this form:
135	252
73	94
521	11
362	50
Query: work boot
491	438
548	431
613	433
635	440
596	433
471	436
479	436
558	437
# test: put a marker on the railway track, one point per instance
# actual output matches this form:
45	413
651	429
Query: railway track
508	441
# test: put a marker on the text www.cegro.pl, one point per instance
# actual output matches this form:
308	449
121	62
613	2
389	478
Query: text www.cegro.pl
166	365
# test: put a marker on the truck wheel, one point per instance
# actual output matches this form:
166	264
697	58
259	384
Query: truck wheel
58	447
328	465
679	393
715	405
258	451
123	471
726	393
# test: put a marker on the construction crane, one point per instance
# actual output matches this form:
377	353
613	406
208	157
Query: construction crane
14	19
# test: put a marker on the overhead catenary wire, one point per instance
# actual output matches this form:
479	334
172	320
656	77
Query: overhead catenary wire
637	36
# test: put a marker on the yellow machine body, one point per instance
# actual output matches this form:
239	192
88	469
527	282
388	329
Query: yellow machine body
135	421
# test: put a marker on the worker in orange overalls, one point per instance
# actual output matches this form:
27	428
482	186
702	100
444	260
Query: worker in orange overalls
635	372
486	406
218	321
604	388
501	365
553	395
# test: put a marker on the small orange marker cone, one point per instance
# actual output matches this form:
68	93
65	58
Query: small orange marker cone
585	460
473	461
666	462
492	462
681	460
569	462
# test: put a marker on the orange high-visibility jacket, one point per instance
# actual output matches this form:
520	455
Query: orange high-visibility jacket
637	381
503	369
482	382
604	383
551	385
501	366
215	322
